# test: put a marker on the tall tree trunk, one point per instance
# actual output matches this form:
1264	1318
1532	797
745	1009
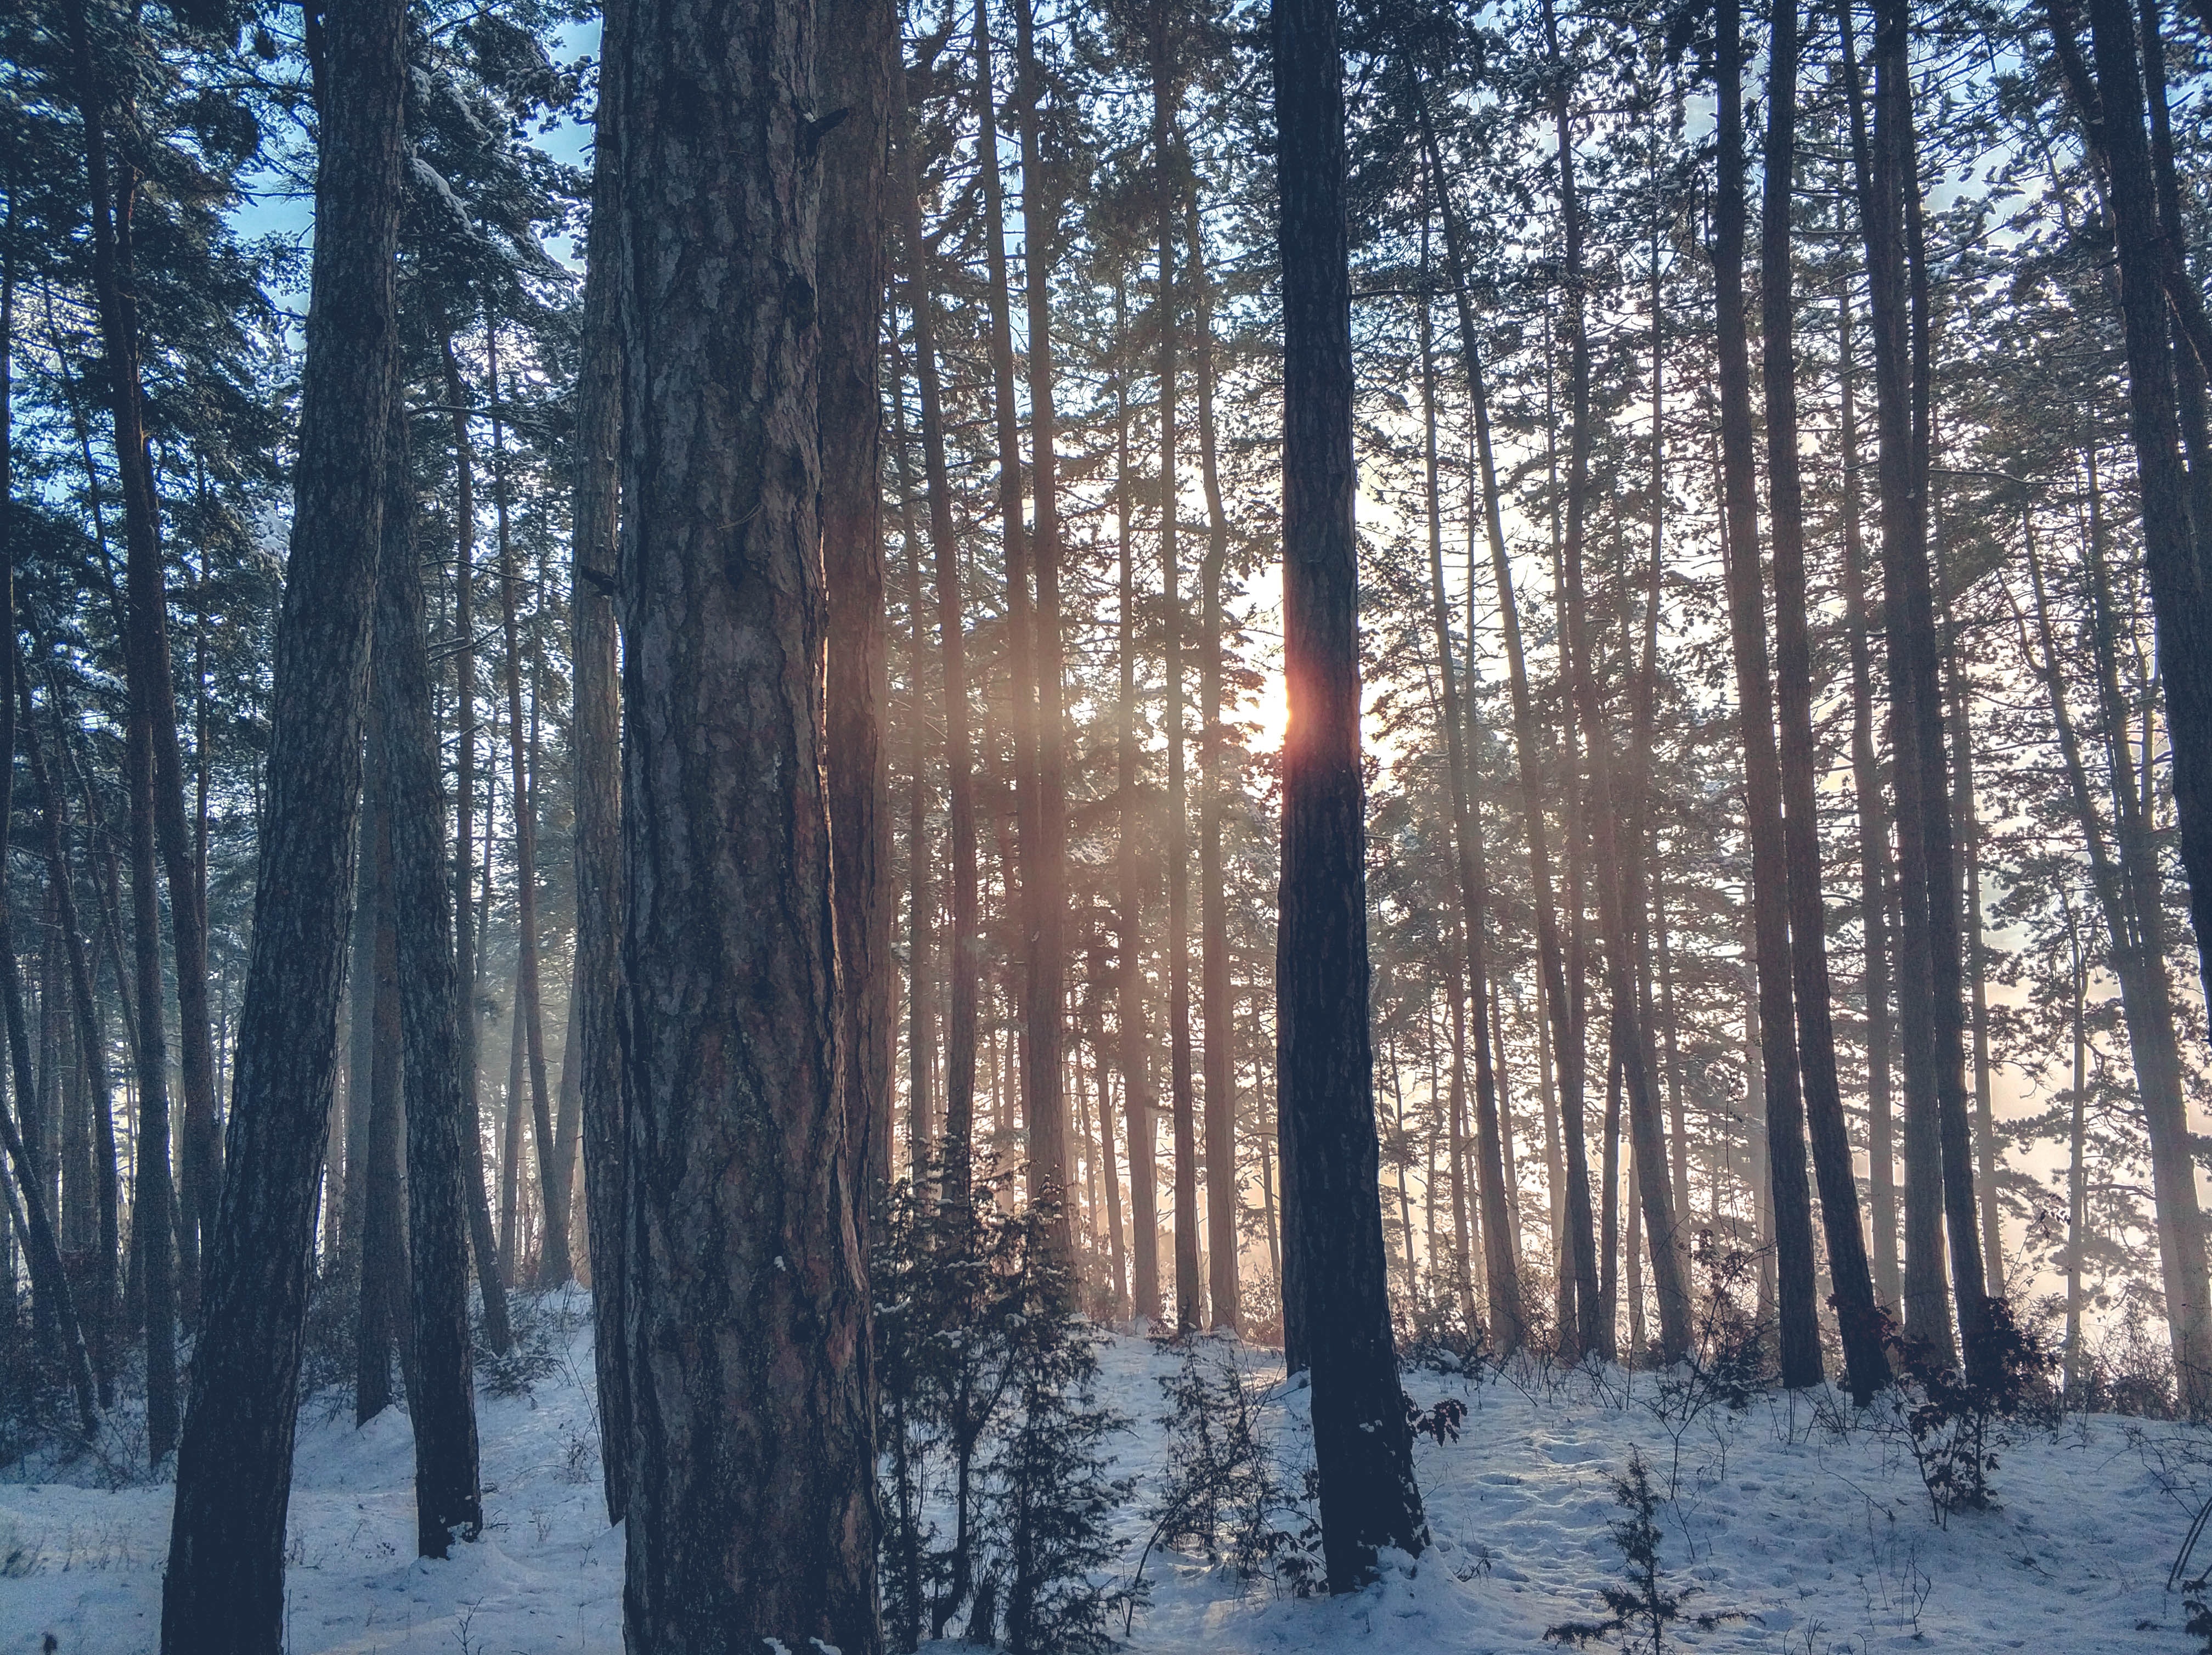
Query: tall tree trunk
1019	870
468	958
856	77
382	1310
1325	1066
965	963
1938	1165
2173	566
1570	1183
1867	1366
1140	1102
113	190
553	1262
1799	1334
441	1399
1501	1270
1216	1005
91	1041
1613	886
223	1592
1044	1102
1873	845
921	902
1166	180
752	1487
594	1056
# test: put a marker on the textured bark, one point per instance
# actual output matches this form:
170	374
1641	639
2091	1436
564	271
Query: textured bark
1501	1270
1325	1066
491	1285
1800	1335
964	961
856	78
595	1056
921	906
1044	1045
1215	1004
224	1589
441	1398
1570	1182
752	1506
1867	1365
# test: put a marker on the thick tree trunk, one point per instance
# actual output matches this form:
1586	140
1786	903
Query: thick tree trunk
223	1592
1215	1004
752	1487
594	1056
1867	1365
963	963
856	78
441	1399
1325	1066
1800	1335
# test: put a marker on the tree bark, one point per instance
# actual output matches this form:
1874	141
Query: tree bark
595	1056
223	1592
441	1398
856	77
1324	1065
381	1324
752	1489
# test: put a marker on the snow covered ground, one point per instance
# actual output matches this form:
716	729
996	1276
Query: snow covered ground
1823	1540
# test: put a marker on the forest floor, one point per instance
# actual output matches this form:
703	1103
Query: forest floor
1819	1535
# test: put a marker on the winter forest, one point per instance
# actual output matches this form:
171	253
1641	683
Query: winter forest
1174	824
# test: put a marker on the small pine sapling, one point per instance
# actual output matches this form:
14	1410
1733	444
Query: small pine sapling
1643	1609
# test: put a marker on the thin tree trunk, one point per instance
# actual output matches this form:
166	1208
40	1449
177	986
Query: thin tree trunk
553	1262
1216	1006
1324	1065
922	903
1867	1365
1569	1184
441	1399
1140	1102
964	964
382	1308
1044	840
1501	1271
1800	1335
468	958
224	1591
1874	848
751	1512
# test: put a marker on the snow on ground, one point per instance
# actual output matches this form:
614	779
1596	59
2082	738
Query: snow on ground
1824	1542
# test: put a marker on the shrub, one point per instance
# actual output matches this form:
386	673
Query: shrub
1955	1424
